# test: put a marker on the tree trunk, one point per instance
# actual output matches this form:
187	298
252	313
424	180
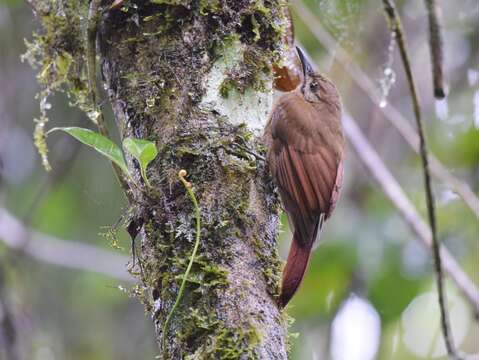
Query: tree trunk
195	77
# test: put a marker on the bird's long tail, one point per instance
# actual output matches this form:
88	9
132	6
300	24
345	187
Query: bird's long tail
297	261
293	273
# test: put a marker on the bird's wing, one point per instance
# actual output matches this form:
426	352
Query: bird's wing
308	170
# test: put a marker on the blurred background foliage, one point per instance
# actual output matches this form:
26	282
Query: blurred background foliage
369	291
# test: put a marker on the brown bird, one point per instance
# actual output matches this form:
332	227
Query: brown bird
305	155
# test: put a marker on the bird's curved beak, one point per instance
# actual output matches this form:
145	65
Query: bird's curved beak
307	67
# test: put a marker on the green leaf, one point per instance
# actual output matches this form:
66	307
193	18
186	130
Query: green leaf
142	150
100	143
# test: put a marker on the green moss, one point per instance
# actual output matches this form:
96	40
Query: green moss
251	71
197	325
57	51
171	2
210	338
261	9
207	337
262	31
271	266
229	344
288	322
110	233
226	86
256	28
209	6
39	139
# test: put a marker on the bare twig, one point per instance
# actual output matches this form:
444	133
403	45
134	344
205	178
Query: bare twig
390	112
69	254
396	26
436	49
396	195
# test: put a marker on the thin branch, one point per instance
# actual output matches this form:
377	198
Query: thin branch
370	158
69	254
396	27
436	48
94	17
393	115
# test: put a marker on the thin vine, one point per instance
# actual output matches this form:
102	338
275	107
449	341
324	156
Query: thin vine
182	174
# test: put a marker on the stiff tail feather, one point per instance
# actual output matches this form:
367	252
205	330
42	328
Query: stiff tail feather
298	259
293	273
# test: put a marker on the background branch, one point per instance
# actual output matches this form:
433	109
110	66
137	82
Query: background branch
69	254
391	188
436	48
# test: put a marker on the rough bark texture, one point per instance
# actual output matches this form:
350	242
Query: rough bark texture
193	76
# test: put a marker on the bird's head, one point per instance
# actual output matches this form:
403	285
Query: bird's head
314	86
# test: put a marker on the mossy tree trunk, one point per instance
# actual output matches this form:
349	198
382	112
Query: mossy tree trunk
194	76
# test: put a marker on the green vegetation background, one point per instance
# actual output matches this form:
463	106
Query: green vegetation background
366	249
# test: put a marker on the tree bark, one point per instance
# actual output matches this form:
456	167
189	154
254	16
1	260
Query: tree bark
195	78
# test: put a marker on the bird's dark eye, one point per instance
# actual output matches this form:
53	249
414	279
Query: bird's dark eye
314	86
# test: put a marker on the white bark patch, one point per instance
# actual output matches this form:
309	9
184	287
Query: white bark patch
251	108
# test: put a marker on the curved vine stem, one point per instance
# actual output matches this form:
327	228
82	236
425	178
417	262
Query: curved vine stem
191	194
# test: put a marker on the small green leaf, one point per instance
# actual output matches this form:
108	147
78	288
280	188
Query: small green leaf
142	150
100	143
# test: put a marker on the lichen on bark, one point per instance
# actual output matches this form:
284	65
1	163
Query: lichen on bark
195	78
